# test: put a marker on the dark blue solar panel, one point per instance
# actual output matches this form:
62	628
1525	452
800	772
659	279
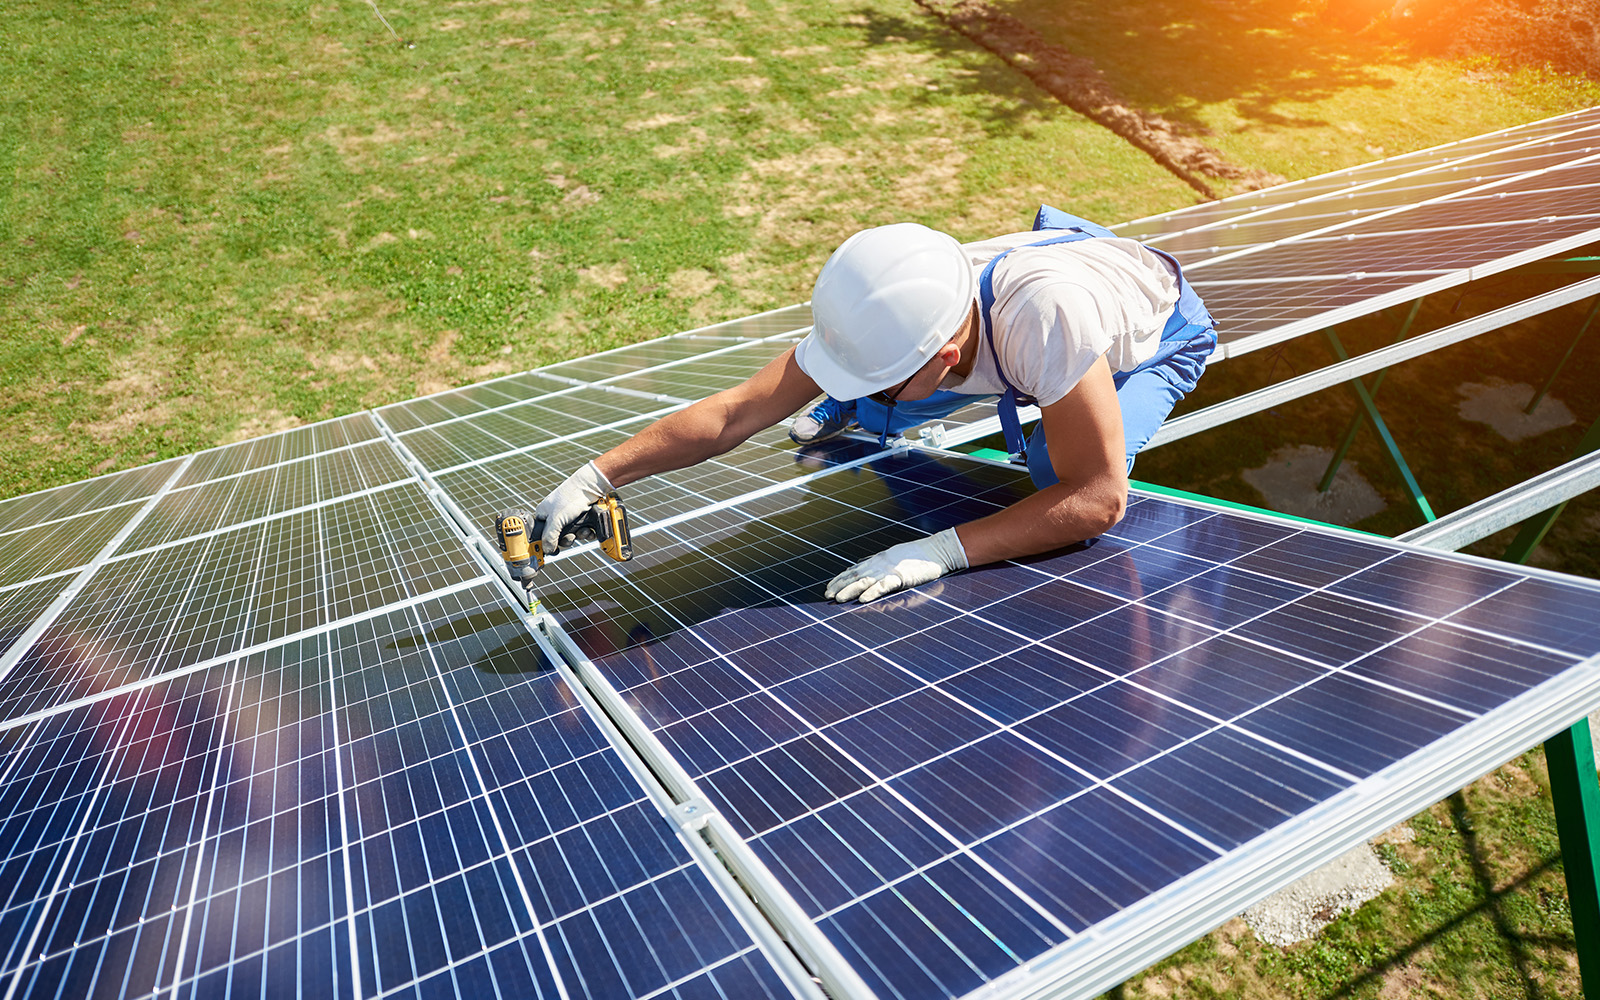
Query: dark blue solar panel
1037	745
407	804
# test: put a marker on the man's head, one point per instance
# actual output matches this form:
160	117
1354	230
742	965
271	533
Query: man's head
886	302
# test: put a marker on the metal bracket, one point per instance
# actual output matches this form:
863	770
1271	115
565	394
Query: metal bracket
693	814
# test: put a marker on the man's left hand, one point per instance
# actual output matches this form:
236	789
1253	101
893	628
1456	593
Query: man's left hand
898	567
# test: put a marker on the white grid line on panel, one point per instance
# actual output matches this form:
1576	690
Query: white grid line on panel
1209	895
564	439
25	642
699	332
210	792
494	815
90	809
264	519
575	386
72	516
280	463
39	495
1157	693
743	498
1333	317
338	767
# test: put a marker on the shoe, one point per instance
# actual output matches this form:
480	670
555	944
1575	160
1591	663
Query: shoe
828	419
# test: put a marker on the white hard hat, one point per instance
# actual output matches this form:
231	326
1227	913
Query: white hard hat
885	302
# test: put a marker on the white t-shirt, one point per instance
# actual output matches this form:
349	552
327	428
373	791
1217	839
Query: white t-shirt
1058	308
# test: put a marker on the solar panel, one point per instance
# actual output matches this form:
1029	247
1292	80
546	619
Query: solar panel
410	804
1277	263
1028	758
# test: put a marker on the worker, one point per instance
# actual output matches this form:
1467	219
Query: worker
1103	334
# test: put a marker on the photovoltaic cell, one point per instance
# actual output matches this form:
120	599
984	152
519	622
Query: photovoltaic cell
21	605
1573	130
525	426
1276	263
32	509
598	367
200	600
29	553
523	480
330	435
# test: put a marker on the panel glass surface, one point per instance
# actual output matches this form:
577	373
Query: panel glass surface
454	443
60	545
413	806
266	492
699	378
256	453
472	399
625	360
956	780
92	494
205	599
485	490
20	606
1568	131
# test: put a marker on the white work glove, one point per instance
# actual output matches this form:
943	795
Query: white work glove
898	567
569	503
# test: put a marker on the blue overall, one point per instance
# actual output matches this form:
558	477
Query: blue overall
1145	395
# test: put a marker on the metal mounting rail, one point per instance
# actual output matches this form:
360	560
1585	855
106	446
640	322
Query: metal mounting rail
1508	507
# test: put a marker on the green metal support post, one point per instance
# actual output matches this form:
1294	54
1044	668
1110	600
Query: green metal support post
1382	428
1575	793
1539	396
1360	418
1574	786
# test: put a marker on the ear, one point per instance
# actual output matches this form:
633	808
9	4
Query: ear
949	355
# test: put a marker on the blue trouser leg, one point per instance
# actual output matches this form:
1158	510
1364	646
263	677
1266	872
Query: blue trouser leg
1145	395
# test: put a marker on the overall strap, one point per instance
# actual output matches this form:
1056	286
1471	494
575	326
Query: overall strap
1010	422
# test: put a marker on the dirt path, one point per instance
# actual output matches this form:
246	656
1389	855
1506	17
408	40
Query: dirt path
1075	82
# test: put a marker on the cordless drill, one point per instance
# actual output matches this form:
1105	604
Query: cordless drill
606	522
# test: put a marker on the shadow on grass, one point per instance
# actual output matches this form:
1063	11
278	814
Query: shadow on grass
1517	944
1175	56
1014	102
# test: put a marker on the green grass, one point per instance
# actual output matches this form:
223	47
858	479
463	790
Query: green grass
1274	84
1478	909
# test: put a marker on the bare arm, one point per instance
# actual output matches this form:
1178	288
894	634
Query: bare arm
1087	451
713	425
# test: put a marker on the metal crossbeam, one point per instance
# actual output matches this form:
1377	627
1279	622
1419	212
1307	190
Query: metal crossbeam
1469	524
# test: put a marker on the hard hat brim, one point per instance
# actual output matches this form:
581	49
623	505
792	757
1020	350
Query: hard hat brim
840	383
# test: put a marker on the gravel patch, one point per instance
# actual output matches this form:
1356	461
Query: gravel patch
1289	485
1298	912
1499	404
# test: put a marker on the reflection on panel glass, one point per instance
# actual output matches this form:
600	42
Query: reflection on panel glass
1009	756
412	804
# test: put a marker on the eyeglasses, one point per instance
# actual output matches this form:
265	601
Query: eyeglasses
887	398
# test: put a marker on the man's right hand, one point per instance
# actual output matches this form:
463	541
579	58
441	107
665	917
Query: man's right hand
567	505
